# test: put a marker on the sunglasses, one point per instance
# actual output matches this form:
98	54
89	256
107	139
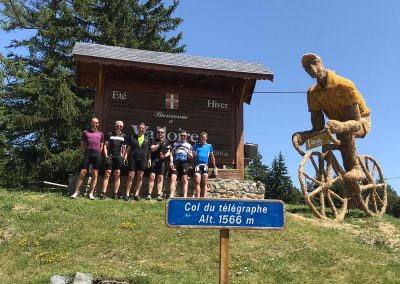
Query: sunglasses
120	126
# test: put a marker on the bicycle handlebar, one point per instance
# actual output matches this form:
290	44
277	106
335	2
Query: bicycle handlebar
296	143
306	134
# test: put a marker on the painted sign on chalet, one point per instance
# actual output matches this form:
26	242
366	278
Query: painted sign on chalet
175	91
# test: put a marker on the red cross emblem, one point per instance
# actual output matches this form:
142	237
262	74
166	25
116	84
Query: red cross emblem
171	101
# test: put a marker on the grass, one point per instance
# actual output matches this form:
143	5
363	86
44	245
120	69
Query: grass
43	234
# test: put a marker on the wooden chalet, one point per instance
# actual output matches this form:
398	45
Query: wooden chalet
176	91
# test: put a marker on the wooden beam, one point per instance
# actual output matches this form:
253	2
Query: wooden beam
250	85
99	98
243	93
224	256
55	184
239	131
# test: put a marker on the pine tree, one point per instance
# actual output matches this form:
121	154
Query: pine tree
128	23
257	170
393	205
4	148
41	105
295	196
41	109
279	184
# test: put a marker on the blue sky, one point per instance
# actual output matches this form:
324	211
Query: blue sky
358	39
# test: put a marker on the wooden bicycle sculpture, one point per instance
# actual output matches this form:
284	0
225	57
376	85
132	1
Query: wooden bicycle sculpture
328	194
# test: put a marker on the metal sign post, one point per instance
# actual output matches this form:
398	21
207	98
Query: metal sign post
225	214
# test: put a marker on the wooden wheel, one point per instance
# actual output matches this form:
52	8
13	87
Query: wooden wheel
319	176
372	189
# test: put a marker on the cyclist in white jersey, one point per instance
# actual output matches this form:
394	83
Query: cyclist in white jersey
182	153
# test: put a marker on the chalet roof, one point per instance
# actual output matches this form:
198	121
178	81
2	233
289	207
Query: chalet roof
170	61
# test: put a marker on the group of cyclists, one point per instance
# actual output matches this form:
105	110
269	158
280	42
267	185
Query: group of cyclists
138	152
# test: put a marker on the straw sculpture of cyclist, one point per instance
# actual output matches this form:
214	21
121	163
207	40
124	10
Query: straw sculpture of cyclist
338	99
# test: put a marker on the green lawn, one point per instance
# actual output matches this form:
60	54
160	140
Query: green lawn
43	234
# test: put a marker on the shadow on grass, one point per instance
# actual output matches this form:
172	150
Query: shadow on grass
40	187
305	211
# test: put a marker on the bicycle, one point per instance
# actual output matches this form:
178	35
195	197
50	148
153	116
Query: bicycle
326	192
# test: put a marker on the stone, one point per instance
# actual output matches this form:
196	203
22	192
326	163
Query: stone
112	282
83	278
60	279
217	187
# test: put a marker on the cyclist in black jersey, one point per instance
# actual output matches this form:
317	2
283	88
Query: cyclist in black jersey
137	156
115	147
160	151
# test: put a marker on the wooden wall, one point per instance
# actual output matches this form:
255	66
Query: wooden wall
212	104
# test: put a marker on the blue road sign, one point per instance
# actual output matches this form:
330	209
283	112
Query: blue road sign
225	213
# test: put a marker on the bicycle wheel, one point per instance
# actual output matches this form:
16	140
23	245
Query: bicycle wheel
319	176
372	189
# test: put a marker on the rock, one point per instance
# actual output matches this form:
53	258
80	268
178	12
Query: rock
60	279
112	282
83	278
228	188
217	187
